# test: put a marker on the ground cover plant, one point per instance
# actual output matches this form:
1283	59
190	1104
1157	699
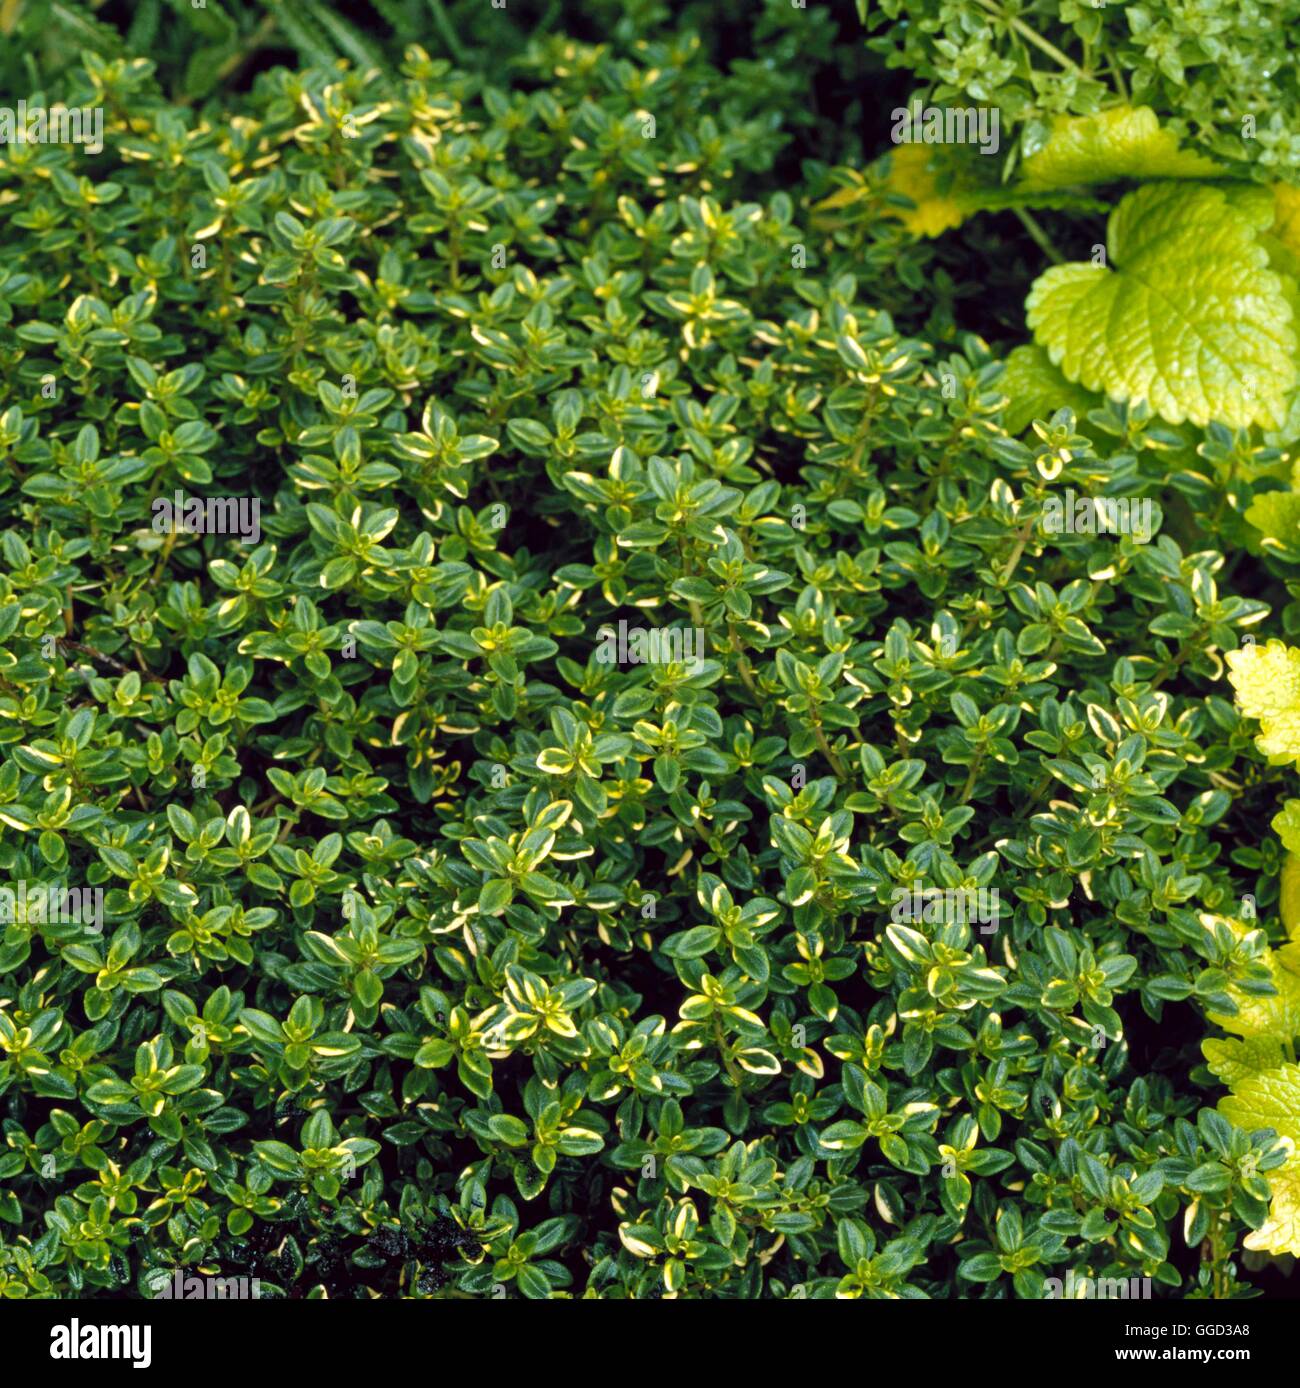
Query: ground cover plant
579	718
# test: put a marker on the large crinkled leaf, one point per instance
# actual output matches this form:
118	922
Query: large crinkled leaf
1266	1094
1280	1232
1186	314
948	184
1276	515
1266	678
1286	222
1267	681
1285	262
1277	1015
1231	1060
1288	432
1281	236
1266	1099
1286	826
1037	389
1288	956
1123	142
1289	896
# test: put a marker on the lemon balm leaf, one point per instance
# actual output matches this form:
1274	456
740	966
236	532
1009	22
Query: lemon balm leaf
1123	142
1276	1015
1186	314
1276	515
1266	1099
1286	825
1267	681
1232	1059
1037	389
1286	222
1265	1091
1280	1232
1266	678
947	185
1289	897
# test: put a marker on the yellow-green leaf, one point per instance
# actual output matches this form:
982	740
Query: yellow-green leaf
1232	1060
934	183
1266	1099
1185	313
1276	1016
1037	389
1280	1232
1123	142
1267	681
1289	902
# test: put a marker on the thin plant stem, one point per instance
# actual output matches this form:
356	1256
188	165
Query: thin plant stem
1041	238
1032	36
